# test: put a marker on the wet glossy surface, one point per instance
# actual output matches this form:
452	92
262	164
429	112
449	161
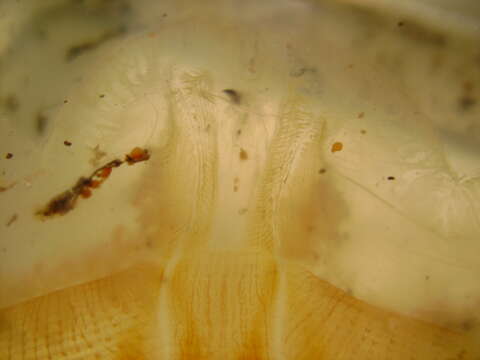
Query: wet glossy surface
311	193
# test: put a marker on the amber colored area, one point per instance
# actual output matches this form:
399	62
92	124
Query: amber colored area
136	155
210	290
337	146
8	156
217	306
243	154
86	193
105	172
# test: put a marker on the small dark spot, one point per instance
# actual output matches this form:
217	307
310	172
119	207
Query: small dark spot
468	86
235	188
41	122
67	143
243	154
8	187
77	50
12	219
65	101
461	355
8	156
239	132
101	96
361	115
468	325
424	34
165	15
391	178
207	128
322	171
466	102
427	277
363	132
11	103
400	23
301	71
233	95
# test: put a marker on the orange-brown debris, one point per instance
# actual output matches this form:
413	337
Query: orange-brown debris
137	155
337	146
105	172
243	154
66	201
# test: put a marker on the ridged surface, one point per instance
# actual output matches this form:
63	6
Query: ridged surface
218	306
287	182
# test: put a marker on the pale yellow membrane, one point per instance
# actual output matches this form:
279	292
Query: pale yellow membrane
263	227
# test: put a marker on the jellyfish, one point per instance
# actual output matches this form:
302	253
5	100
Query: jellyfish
221	180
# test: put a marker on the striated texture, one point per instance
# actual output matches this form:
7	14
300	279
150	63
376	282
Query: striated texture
311	192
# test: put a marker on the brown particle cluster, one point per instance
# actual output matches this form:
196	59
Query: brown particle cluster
66	201
8	156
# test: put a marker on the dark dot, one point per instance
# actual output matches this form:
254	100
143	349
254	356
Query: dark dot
102	96
41	123
400	23
239	132
243	154
165	15
427	277
322	171
468	86
234	96
466	102
67	143
468	325
65	101
363	131
8	156
11	103
391	178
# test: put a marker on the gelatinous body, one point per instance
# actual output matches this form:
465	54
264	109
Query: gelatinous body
298	202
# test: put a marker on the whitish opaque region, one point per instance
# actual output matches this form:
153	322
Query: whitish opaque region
307	184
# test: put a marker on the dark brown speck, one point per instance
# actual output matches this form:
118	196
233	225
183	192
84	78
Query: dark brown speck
233	95
243	154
